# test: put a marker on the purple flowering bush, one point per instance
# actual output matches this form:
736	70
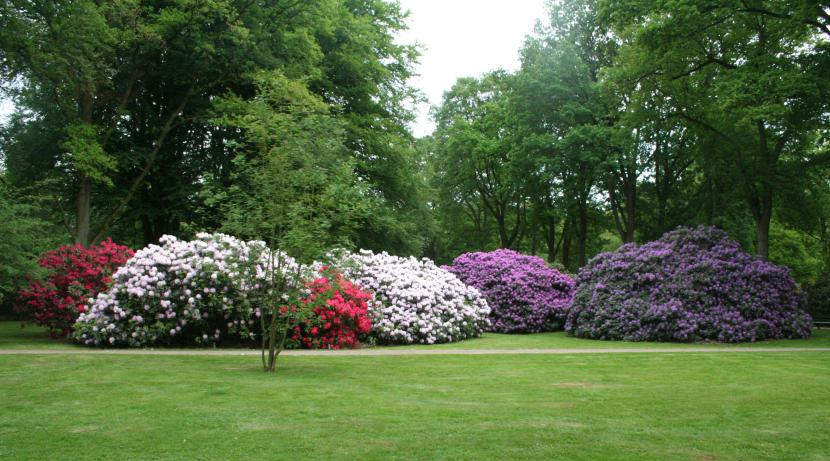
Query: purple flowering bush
690	285
524	293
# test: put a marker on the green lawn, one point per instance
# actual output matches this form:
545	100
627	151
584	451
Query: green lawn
560	340
12	336
18	335
760	406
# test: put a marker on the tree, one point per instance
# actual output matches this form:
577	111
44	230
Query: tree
750	74
560	104
475	148
126	93
26	236
294	185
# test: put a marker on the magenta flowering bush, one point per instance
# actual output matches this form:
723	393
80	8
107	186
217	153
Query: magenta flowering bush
690	285
524	293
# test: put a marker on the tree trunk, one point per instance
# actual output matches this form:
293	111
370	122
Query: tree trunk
566	243
504	241
534	238
763	239
83	211
710	199
631	210
762	224
550	238
582	236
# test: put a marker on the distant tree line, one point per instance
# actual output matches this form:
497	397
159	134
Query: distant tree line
630	118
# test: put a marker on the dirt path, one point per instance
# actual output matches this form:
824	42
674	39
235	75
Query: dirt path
404	352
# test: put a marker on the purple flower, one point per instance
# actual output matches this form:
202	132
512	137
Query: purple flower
690	285
524	293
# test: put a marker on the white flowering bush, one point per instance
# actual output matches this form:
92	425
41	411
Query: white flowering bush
415	300
195	292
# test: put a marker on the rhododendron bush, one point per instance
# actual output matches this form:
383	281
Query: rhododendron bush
690	285
339	314
186	293
74	274
524	293
416	301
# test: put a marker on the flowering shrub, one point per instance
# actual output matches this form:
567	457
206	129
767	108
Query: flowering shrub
690	285
525	295
416	301
74	274
340	314
184	293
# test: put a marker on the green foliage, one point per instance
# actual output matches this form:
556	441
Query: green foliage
25	237
125	93
798	251
751	79
636	117
818	297
626	119
86	155
477	166
294	186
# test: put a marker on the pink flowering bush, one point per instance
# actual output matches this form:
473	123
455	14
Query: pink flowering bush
73	275
690	285
525	295
196	292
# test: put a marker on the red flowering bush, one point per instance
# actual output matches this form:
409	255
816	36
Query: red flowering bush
73	275
339	314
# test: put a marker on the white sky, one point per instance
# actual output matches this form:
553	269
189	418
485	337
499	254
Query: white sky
459	38
464	38
6	108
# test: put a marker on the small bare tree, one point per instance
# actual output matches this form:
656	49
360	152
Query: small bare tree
281	309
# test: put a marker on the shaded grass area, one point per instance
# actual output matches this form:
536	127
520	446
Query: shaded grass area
12	336
664	406
20	335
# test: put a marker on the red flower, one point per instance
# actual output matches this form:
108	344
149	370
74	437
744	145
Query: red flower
340	314
75	274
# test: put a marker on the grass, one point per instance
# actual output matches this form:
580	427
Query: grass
12	336
773	406
18	335
560	340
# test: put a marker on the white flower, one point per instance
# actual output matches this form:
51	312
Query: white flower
416	301
167	283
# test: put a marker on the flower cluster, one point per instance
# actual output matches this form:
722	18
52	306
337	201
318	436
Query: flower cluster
186	293
525	294
340	314
416	301
690	285
74	274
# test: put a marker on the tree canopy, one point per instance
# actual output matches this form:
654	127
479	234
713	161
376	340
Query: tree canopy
288	121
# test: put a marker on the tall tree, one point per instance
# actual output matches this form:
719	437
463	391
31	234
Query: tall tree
126	92
559	103
750	73
475	145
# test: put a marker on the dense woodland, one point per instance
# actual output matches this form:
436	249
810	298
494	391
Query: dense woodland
288	121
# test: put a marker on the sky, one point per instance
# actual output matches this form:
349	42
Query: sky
6	108
464	38
459	38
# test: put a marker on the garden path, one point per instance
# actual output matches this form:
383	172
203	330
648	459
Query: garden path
403	352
